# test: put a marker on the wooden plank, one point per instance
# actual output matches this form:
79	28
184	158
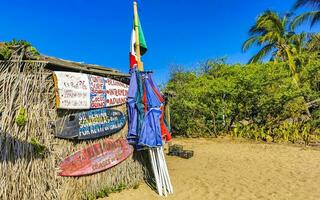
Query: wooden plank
53	64
88	68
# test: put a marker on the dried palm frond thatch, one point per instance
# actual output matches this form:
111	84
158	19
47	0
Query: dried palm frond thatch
29	152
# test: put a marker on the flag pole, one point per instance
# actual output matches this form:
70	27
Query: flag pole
136	28
159	167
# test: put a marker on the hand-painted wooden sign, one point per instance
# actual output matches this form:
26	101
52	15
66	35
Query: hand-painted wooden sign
96	158
90	124
85	91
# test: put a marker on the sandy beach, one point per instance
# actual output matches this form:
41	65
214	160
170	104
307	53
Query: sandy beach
236	169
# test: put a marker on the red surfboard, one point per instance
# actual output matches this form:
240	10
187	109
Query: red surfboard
96	158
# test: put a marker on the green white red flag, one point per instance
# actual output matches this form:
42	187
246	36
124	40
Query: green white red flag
142	44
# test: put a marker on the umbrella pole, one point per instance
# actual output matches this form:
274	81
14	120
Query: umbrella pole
155	172
161	174
164	176
166	170
158	170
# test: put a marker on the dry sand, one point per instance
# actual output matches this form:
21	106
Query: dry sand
232	169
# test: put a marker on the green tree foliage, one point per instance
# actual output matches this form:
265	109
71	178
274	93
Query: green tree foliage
258	101
8	48
313	44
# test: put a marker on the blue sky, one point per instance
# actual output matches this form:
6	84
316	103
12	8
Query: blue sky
182	32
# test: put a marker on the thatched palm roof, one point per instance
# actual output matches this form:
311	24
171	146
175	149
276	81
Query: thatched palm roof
22	51
60	64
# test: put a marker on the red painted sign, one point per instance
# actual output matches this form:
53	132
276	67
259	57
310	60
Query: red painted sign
96	158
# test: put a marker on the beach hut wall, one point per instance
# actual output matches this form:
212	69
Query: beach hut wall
30	153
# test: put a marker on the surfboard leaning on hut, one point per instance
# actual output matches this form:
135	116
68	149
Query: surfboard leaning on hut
95	158
78	91
90	124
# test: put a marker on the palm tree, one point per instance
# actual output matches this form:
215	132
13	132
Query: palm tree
271	32
313	16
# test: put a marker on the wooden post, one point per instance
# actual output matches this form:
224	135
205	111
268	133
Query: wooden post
136	28
167	112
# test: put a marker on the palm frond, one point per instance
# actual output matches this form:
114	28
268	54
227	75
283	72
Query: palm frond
270	37
274	56
269	30
313	43
287	19
270	21
308	16
298	41
311	3
315	19
277	22
261	54
249	42
254	30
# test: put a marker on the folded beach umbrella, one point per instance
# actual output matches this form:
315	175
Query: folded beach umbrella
135	106
145	112
154	87
132	110
164	129
154	98
151	131
140	105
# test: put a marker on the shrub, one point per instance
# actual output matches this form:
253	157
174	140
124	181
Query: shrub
257	101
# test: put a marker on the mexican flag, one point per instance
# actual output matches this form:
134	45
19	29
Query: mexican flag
142	44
